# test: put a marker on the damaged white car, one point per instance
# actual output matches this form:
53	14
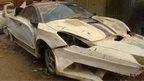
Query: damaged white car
75	43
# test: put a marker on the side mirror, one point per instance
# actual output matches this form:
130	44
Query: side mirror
18	10
34	22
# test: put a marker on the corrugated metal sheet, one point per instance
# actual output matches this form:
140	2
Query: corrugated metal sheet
120	9
95	6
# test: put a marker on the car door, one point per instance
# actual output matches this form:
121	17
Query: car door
25	29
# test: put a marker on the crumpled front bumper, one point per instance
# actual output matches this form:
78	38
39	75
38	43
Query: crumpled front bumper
65	57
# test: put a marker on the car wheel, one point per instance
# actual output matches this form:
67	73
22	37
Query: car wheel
50	61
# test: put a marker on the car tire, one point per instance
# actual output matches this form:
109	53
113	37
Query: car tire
50	61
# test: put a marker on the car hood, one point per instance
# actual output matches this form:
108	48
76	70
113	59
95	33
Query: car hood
2	20
115	25
78	28
92	29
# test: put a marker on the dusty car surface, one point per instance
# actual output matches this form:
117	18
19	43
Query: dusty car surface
75	43
2	21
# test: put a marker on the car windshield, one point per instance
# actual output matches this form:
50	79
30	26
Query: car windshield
65	11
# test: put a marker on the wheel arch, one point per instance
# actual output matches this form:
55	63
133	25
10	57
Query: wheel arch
42	44
40	48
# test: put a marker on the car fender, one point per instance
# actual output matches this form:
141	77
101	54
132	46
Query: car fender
50	36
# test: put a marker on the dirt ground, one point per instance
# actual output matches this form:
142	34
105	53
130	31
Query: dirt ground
18	65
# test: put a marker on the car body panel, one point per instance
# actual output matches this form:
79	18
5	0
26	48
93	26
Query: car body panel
26	32
21	29
68	56
107	60
78	28
53	40
2	21
116	25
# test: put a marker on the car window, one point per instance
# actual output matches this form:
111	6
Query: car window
29	13
58	13
46	9
65	11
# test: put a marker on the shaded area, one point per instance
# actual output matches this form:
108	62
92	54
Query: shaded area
17	64
136	21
